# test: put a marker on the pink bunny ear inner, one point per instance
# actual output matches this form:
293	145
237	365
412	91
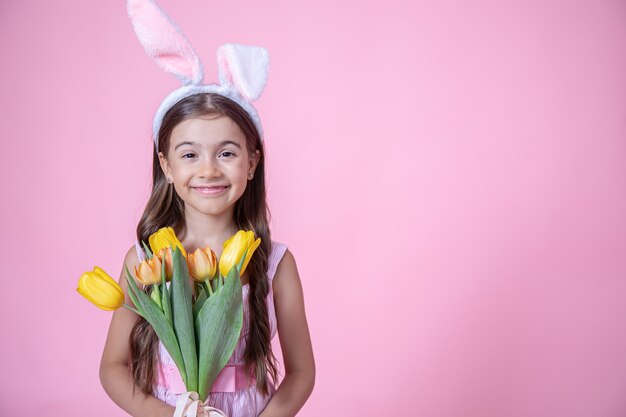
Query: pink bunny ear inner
245	67
164	42
175	65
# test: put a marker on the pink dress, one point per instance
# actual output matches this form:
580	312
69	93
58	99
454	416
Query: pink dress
237	401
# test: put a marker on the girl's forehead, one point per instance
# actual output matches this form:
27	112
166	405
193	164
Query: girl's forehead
207	131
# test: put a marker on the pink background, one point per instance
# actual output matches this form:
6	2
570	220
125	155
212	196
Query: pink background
450	176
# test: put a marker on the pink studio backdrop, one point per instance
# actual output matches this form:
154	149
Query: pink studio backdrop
449	175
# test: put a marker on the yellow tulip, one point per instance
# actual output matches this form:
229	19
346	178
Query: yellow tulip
202	264
165	255
163	238
149	271
99	288
234	249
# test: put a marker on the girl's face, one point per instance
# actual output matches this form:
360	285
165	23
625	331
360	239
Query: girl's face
209	163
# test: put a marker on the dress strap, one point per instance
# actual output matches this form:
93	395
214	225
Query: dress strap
140	253
276	254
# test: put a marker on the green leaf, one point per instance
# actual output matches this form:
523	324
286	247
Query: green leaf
165	297
216	283
218	326
135	300
202	296
147	249
182	316
149	310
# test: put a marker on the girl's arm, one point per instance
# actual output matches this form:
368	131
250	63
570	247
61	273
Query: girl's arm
295	342
115	374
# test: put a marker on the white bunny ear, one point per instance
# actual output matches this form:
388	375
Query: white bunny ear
164	42
245	67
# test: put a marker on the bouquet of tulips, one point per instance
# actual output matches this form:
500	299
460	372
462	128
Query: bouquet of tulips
208	317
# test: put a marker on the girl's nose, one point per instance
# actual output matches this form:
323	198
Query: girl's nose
210	169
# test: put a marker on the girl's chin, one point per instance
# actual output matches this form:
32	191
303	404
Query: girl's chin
210	209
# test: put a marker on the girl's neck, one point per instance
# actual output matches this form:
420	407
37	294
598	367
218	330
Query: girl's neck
201	230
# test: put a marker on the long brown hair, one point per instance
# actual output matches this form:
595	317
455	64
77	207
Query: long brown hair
166	208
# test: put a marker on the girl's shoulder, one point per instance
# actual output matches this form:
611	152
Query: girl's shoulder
132	259
276	255
141	254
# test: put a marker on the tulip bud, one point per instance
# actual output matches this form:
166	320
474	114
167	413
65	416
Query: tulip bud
165	255
164	238
99	288
149	271
155	295
202	264
240	245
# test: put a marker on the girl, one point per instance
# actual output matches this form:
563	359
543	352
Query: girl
209	182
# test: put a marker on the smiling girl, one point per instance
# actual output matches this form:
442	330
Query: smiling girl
208	181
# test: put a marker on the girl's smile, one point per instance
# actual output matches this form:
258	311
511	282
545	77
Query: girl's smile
210	190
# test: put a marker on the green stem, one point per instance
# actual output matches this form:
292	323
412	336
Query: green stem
132	309
207	283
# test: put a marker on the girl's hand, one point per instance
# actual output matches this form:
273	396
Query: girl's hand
201	412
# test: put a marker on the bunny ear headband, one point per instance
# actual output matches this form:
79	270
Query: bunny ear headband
242	69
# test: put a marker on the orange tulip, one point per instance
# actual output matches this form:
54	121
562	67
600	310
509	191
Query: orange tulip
165	255
149	271
202	264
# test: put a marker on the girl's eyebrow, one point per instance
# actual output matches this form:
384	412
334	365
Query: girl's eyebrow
222	143
184	143
227	142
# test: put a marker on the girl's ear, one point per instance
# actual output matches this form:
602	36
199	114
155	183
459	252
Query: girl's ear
164	41
165	165
254	160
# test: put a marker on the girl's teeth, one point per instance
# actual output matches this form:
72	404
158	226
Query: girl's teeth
210	190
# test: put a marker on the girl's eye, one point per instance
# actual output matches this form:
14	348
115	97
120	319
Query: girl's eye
227	154
189	155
